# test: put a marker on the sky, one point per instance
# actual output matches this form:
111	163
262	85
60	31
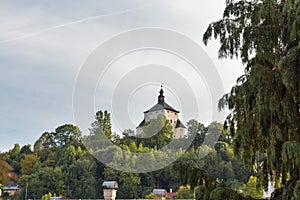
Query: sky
46	46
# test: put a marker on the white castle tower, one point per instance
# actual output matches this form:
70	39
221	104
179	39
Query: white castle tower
179	130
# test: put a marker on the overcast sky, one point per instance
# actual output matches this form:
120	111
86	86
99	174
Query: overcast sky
45	44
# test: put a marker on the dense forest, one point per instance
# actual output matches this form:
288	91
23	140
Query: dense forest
60	164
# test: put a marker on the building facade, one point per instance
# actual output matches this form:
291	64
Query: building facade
162	108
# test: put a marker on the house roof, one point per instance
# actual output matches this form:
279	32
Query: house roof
159	191
160	106
171	194
57	198
110	184
16	187
141	124
179	124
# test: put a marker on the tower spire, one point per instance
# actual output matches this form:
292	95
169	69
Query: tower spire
161	97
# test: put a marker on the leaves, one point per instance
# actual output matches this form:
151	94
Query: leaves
265	102
6	172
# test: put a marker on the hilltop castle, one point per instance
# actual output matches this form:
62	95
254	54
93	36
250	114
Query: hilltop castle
179	130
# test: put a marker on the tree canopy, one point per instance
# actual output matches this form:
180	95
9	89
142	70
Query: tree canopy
265	102
60	165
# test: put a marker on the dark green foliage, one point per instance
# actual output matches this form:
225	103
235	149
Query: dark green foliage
185	192
100	133
222	192
102	124
60	164
63	135
160	131
197	131
265	103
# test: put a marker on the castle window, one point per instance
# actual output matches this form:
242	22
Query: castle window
171	122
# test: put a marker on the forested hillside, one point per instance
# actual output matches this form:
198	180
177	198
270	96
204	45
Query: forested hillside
59	163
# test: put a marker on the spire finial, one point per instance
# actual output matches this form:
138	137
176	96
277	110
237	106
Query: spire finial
161	97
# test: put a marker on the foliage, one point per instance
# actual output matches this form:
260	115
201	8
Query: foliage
197	131
60	164
102	124
100	132
63	135
160	131
150	196
47	196
185	192
265	103
6	172
222	192
251	188
29	164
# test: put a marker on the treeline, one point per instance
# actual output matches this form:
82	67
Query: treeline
63	162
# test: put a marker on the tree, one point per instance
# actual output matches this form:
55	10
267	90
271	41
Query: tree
26	149
185	192
48	196
43	181
14	156
100	135
224	134
251	188
67	134
45	141
128	182
157	132
265	103
29	164
102	124
6	172
196	130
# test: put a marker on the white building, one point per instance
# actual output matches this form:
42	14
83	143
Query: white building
179	130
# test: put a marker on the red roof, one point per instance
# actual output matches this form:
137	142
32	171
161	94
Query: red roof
171	194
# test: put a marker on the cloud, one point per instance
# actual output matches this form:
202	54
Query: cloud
44	43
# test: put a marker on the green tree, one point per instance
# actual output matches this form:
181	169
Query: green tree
26	149
29	164
47	196
128	183
251	188
45	141
265	103
102	124
67	134
100	133
224	134
13	157
185	192
157	133
45	180
198	131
